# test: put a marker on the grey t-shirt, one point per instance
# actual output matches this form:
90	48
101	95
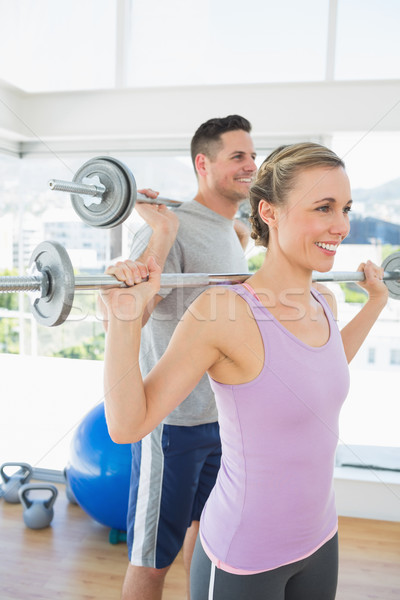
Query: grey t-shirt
206	243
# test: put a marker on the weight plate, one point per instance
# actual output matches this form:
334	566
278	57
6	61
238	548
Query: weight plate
131	200
392	263
54	306
118	199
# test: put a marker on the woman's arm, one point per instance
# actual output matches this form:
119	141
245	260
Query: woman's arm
135	407
355	332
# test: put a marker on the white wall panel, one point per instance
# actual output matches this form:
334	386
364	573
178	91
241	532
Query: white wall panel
149	119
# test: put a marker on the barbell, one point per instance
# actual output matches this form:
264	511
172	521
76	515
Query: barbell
53	281
103	192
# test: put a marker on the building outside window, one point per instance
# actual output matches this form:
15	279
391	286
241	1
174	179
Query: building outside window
395	356
371	355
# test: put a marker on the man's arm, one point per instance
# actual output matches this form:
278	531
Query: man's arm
164	224
242	232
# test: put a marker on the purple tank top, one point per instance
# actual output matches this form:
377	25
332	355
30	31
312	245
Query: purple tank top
273	502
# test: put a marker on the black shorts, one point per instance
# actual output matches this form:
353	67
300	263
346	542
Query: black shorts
312	578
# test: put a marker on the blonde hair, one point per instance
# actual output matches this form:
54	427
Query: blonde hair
277	175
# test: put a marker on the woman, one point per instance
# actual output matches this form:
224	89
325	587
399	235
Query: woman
278	367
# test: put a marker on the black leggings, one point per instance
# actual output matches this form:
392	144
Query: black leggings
312	578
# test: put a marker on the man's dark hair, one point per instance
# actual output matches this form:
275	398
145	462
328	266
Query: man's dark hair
207	139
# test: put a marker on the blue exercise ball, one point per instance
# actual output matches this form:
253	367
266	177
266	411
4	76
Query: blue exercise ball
98	472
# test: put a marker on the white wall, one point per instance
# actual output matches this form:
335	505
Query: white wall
163	119
57	404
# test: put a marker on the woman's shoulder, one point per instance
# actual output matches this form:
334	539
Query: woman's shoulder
220	301
328	295
223	292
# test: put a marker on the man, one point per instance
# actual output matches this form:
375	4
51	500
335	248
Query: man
174	468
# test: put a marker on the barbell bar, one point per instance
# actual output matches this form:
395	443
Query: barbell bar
53	283
103	192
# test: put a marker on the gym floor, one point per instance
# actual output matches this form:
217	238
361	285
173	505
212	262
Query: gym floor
73	559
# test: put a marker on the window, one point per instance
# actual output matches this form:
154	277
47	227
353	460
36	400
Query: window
368	42
373	170
51	46
48	45
62	390
371	160
40	386
222	42
395	356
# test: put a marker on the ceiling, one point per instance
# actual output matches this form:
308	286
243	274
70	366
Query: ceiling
139	76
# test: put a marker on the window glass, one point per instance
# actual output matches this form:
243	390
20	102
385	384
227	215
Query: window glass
45	395
372	165
183	42
395	356
47	45
49	387
371	412
371	160
46	385
368	42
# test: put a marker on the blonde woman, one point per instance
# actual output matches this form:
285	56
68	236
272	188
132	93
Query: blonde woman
278	366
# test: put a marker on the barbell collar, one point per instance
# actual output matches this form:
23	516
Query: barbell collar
83	189
25	283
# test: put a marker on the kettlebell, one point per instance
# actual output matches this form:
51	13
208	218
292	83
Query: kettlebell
38	513
13	483
69	493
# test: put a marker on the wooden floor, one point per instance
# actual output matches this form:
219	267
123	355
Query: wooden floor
73	559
